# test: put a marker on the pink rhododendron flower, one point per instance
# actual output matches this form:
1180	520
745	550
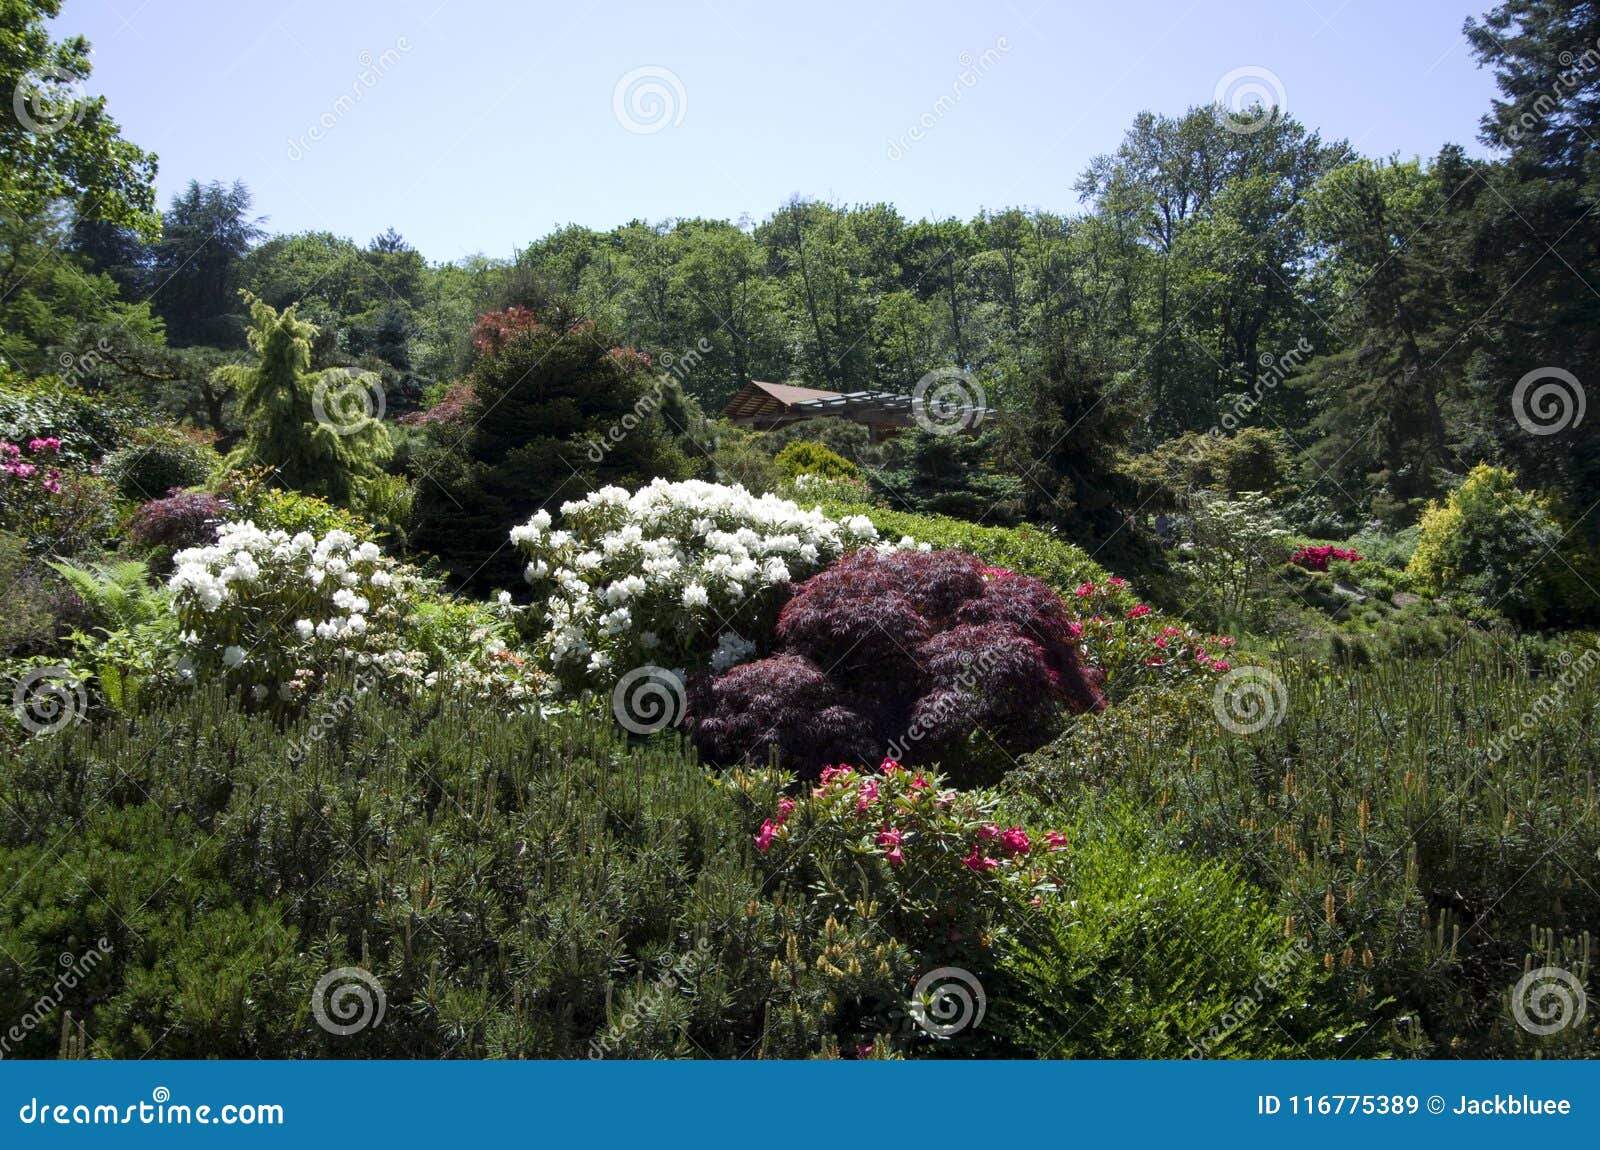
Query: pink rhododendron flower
979	863
868	794
784	807
1138	612
1015	840
765	835
895	856
988	832
1316	558
889	837
1055	840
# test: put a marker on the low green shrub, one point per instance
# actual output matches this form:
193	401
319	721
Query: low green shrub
1509	549
517	885
1416	820
1095	942
252	496
1096	972
1027	550
88	426
804	458
34	600
157	459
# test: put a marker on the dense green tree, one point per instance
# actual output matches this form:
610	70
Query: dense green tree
309	429
198	264
557	410
733	306
57	143
1380	424
1530	299
1060	438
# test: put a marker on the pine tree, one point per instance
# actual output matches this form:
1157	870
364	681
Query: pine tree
315	430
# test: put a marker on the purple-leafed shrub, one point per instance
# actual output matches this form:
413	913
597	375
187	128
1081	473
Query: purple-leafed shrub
911	654
182	519
784	702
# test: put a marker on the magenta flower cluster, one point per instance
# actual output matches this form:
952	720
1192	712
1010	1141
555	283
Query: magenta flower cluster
14	466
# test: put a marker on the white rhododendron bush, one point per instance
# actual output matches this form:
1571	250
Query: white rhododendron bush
681	575
276	612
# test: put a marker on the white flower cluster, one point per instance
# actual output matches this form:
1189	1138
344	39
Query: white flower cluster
671	573
276	611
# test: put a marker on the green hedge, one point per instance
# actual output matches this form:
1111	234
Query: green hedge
1027	550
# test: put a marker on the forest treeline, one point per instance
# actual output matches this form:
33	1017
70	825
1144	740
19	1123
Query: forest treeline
1376	315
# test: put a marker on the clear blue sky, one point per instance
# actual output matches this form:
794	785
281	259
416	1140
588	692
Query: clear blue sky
494	121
